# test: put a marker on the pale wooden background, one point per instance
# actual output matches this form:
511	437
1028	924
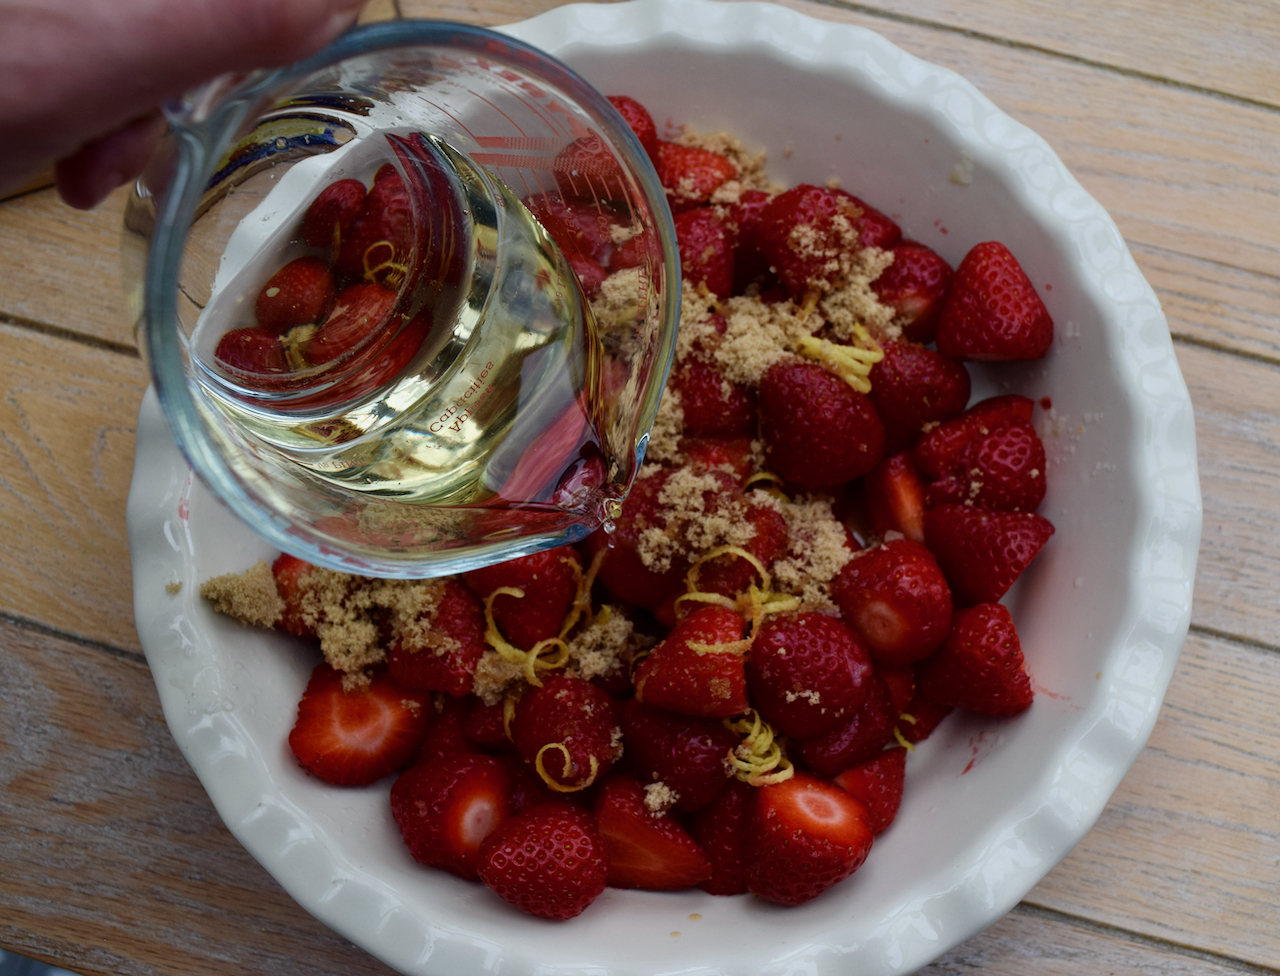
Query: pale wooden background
112	860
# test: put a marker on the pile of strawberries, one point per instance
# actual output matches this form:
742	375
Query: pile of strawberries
750	741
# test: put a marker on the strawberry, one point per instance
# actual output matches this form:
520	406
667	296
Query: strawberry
691	174
646	849
568	731
727	453
299	293
731	575
721	827
352	738
357	314
921	715
484	725
895	497
447	734
640	121
1003	470
874	228
913	386
980	667
446	659
588	171
859	740
819	431
685	752
548	860
941	450
254	350
806	836
878	784
807	673
576	228
332	214
445	809
687	673
706	250
981	553
549	581
379	244
896	598
901	684
806	236
914	286
712	406
622	572
744	219
992	311
290	573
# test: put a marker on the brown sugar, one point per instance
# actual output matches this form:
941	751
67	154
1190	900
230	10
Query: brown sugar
249	597
818	550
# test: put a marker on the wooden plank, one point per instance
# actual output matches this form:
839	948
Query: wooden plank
1190	842
1237	405
115	856
1185	41
68	419
115	861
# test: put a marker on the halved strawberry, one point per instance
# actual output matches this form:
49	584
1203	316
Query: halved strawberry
445	809
691	174
299	293
548	860
446	659
685	752
982	553
568	731
992	311
878	784
352	738
807	835
897	599
807	673
647	849
913	386
859	740
722	827
687	673
549	581
820	432
640	121
332	214
1003	470
706	250
895	497
981	666
941	450
914	286
357	314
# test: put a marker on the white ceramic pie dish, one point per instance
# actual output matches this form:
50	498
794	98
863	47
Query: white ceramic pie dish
990	806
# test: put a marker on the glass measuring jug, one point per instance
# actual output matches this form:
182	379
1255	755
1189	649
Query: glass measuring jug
480	291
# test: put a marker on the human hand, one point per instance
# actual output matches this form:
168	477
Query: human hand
81	81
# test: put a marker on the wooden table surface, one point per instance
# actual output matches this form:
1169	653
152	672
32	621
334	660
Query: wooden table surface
112	859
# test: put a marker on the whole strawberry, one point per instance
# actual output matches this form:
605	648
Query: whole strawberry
897	599
640	121
914	386
981	665
381	239
807	673
568	731
332	214
712	406
942	449
722	827
549	582
685	752
691	174
807	236
299	293
358	313
445	658
859	739
547	860
992	311
692	671
819	431
806	836
1003	470
706	250
982	552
